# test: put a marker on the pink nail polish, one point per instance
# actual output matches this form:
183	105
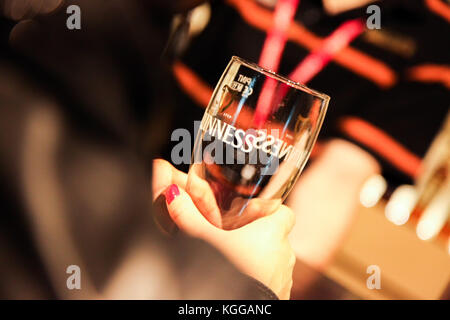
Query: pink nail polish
171	193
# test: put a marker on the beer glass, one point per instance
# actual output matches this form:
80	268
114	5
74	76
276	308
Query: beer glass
254	139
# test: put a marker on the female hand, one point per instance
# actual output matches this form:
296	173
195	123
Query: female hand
260	249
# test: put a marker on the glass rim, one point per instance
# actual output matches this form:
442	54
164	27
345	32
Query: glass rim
281	78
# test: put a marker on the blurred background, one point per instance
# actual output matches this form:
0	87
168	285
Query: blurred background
83	113
389	96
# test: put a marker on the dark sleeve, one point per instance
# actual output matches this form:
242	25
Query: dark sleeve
206	274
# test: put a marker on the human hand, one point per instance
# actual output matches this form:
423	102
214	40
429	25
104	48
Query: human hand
260	249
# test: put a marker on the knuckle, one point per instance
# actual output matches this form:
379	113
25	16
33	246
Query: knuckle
253	206
197	192
289	217
158	163
202	198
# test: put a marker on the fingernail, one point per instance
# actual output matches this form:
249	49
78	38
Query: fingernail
171	193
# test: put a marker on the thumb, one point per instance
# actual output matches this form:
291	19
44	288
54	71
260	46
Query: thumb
186	215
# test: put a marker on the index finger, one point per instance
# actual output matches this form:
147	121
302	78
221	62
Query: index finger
164	175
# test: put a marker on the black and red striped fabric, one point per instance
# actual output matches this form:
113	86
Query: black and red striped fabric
389	89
